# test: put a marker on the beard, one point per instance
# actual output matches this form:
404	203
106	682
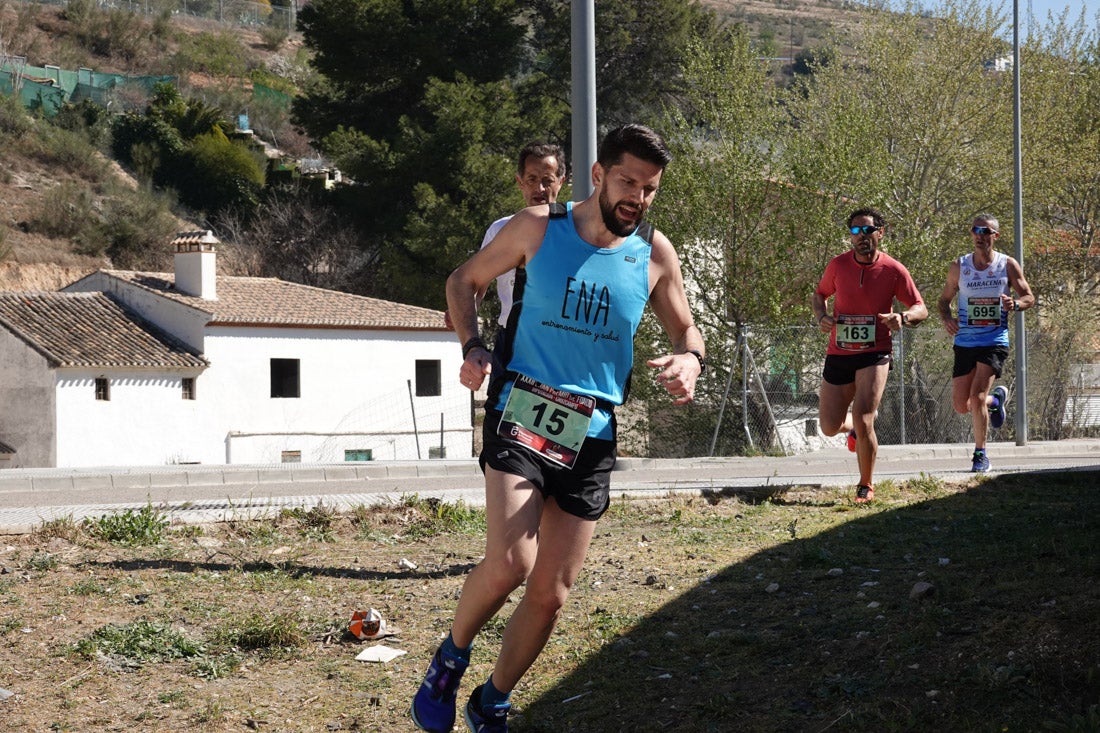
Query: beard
865	248
614	225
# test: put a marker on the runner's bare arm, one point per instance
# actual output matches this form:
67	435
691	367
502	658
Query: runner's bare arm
1024	297
511	247
943	305
668	298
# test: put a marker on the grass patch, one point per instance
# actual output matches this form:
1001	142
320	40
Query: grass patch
129	528
260	631
137	643
430	517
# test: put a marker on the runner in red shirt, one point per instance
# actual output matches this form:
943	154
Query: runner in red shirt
863	284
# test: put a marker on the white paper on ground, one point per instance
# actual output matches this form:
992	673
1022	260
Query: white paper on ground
379	653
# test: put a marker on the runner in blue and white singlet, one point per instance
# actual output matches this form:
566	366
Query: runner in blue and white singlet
982	320
983	281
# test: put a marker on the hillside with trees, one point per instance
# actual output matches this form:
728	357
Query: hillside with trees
782	116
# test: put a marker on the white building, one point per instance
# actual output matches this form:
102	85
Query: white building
135	368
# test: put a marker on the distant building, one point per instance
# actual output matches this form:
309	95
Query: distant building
137	368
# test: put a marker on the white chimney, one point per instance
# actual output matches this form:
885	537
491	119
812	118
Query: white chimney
196	271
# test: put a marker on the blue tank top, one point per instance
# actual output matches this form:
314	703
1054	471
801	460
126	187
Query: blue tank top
576	314
982	320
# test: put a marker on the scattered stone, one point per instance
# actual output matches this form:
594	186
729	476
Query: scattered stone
5	694
835	572
922	590
772	587
405	564
945	561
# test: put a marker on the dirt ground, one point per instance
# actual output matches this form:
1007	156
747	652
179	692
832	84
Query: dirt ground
954	607
58	586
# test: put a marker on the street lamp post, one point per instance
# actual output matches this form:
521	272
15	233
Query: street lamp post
1021	334
583	47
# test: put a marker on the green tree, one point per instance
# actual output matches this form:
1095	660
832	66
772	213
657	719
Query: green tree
376	57
641	48
914	126
1060	91
437	166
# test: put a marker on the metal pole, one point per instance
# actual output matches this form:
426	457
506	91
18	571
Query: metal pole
725	399
1021	333
583	45
745	383
442	447
412	408
901	378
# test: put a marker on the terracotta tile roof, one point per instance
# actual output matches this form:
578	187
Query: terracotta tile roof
273	302
90	330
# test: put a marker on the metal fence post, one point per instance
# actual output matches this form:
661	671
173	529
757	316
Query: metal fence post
901	384
745	382
725	398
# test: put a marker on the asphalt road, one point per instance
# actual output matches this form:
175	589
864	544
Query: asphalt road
195	494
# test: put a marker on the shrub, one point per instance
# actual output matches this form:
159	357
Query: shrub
14	120
87	119
66	211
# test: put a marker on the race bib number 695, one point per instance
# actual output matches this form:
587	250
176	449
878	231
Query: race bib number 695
983	311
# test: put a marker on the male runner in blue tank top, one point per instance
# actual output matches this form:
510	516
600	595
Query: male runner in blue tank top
585	273
982	281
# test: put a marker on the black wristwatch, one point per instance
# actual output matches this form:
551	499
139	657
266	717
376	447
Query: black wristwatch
702	361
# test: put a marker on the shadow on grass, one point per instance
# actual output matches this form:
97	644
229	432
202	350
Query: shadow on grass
827	632
290	569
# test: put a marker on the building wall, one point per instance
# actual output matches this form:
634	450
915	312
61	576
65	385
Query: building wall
145	422
354	395
27	396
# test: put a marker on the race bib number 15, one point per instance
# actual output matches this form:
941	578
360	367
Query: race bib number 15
551	422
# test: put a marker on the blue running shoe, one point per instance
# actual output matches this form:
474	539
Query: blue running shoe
433	706
486	720
981	462
997	406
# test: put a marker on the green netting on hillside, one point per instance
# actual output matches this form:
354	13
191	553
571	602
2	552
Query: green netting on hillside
266	94
49	87
39	98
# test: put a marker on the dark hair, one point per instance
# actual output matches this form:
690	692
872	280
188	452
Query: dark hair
542	150
876	217
639	141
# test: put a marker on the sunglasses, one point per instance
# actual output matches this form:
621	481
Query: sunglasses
983	230
865	229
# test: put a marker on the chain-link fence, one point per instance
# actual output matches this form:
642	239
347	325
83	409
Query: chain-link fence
241	13
760	396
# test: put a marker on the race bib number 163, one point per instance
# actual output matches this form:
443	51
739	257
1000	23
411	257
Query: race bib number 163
855	333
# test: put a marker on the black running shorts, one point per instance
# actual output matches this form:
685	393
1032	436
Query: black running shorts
583	491
841	369
967	359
